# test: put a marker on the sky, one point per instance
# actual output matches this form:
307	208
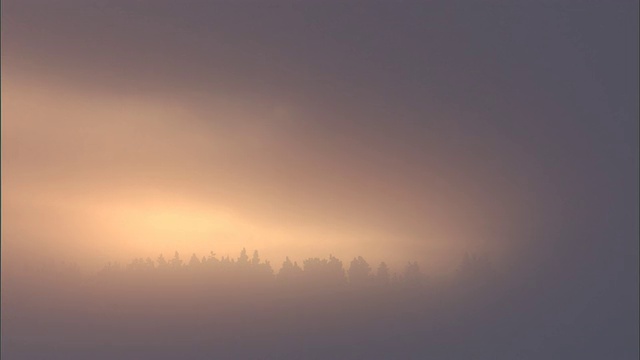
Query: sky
399	131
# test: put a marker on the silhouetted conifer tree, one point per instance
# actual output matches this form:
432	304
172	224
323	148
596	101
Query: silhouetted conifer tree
382	274
243	259
194	261
176	262
359	271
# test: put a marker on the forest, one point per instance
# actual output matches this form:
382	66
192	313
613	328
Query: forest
214	307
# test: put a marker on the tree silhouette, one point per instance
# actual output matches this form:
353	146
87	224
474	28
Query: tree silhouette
260	269
253	272
324	272
382	274
243	259
412	274
176	262
194	261
289	272
255	259
359	272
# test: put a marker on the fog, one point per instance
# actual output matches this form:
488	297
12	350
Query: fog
398	132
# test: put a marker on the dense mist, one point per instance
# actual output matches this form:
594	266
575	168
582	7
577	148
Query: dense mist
485	151
239	308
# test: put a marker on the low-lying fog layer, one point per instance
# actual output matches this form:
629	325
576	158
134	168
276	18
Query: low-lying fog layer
224	308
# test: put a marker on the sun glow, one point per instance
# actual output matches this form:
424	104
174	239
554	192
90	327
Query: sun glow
175	221
172	223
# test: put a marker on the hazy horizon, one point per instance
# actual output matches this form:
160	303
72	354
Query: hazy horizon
397	131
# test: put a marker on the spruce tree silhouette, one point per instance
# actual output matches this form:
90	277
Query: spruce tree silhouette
255	259
323	272
243	259
162	262
290	272
176	262
383	275
194	261
359	272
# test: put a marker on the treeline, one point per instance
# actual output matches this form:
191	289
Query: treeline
240	307
321	272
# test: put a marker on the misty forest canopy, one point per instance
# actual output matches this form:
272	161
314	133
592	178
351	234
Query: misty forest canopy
312	271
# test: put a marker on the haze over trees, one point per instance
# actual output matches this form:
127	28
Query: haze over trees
202	307
222	307
313	272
